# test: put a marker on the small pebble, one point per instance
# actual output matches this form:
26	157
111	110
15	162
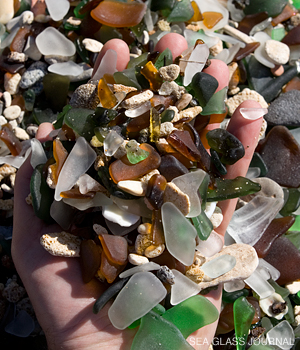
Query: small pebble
136	259
12	112
166	275
92	45
15	56
170	72
7	98
184	101
27	17
2	120
33	74
21	134
277	70
12	82
277	51
85	96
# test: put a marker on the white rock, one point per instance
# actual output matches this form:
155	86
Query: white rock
21	134
136	259
12	112
7	10
277	51
266	303
7	98
92	45
11	83
136	188
115	214
61	244
293	287
27	17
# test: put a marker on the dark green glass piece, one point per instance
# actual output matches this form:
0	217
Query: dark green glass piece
60	118
107	33
81	121
157	5
167	115
273	8
44	116
138	61
29	98
127	77
181	12
294	237
203	191
202	225
231	188
257	161
42	194
229	148
292	203
56	89
110	292
77	9
81	50
192	314
220	167
204	86
164	59
231	297
243	313
103	116
216	104
157	333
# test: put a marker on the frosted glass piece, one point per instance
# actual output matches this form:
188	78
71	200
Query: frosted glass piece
233	286
21	326
80	159
66	68
62	213
133	206
115	214
141	293
38	155
281	335
189	184
99	200
179	234
266	323
249	222
260	53
259	285
31	49
135	112
183	288
112	142
218	266
196	62
210	208
211	246
108	65
223	55
119	230
253	173
57	8
253	113
192	36
213	6
150	266
228	39
51	42
296	134
267	270
86	184
13	161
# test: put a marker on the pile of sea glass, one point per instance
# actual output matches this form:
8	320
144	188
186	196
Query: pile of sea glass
132	173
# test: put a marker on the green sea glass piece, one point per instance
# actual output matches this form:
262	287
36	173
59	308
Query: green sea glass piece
296	224
107	33
292	203
273	8
159	309
81	121
157	333
164	59
29	98
216	104
192	314
278	33
134	153
127	77
56	88
104	115
257	161
181	12
81	50
204	86
231	297
219	166
229	148
243	313
296	3
157	5
60	118
77	10
294	237
167	115
44	115
231	188
203	191
138	61
42	194
202	225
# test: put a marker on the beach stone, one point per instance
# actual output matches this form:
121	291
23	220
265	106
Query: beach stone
7	10
34	74
7	98
61	244
17	57
278	52
21	134
92	45
12	112
85	96
285	110
12	82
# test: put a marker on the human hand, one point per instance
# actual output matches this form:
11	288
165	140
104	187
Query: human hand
63	303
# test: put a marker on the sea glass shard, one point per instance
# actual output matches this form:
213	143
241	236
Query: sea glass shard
218	266
179	233
108	65
112	142
142	292
66	68
21	326
150	266
259	285
183	288
250	222
135	154
98	200
115	214
211	246
253	113
267	270
281	335
80	159
38	155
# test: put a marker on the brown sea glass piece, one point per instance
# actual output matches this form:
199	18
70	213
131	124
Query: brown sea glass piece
18	100
276	229
293	84
165	100
157	228
285	257
170	167
76	194
122	169
9	138
254	302
139	123
286	14
106	96
281	153
20	39
245	51
155	191
115	248
119	14
108	269
226	322
10	68
292	37
210	18
249	21
90	258
151	73
60	154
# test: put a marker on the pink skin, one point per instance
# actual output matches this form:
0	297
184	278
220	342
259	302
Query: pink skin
121	49
62	302
175	42
43	132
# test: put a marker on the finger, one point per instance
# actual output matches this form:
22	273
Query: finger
174	41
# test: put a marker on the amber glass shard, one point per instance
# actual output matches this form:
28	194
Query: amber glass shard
293	84
245	51
154	126
151	73
139	123
20	39
119	14
9	138
76	194
210	19
157	228
286	14
60	154
109	270
249	21
155	191
226	322
115	248
122	169
197	16
106	96
90	258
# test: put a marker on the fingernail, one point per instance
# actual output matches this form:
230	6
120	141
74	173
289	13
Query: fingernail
253	113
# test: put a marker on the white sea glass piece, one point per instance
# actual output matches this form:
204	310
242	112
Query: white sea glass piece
135	112
281	335
66	68
80	159
119	230
233	286
211	246
108	65
196	62
38	155
13	161
253	113
227	38
260	53
86	184
57	8
62	213
112	142
51	42
210	208
31	49
141	293
249	222
235	14
259	285
192	36
133	206
266	323
253	172
267	270
189	184
183	288
149	266
218	266
223	55
98	200
115	214
21	326
213	6
179	234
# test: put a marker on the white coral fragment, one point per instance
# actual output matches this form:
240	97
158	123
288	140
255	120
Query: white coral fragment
61	244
